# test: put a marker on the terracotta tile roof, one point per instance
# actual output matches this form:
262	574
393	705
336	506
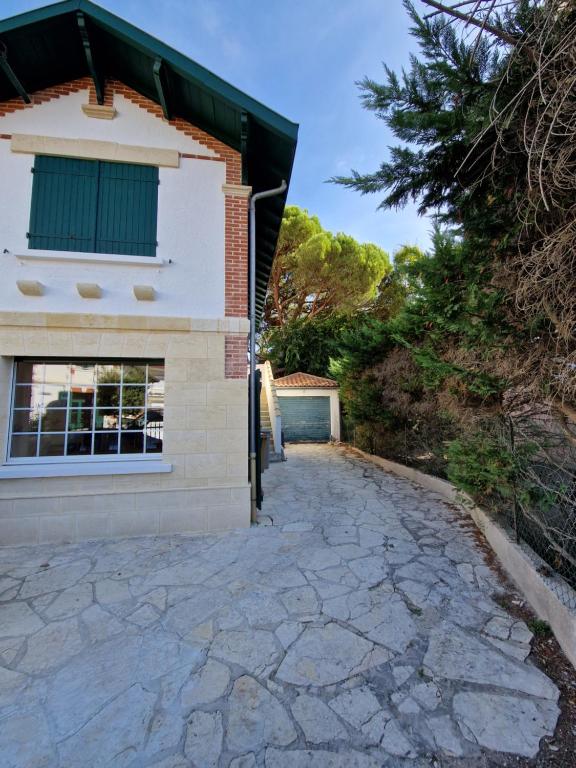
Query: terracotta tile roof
304	380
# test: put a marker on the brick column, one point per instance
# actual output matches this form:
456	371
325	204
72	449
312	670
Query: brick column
236	247
236	275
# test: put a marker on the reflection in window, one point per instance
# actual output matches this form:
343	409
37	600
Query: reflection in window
83	409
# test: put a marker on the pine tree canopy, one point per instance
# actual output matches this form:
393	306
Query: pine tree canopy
316	272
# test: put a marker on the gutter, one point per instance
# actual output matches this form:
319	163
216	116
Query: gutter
253	437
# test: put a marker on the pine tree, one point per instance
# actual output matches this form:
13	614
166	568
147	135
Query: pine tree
437	108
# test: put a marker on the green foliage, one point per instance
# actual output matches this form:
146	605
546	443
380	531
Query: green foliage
435	372
487	465
483	465
317	273
399	285
297	228
453	296
305	344
364	401
359	345
539	627
452	314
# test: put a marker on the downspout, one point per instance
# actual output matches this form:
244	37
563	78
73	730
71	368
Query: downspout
253	438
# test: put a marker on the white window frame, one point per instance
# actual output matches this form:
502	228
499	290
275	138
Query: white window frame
87	459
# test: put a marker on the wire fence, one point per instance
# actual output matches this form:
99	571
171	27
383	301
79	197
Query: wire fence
542	511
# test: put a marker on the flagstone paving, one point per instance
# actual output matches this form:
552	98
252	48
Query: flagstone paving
356	629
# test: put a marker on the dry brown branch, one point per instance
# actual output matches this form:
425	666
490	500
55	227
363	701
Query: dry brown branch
498	6
538	124
483	24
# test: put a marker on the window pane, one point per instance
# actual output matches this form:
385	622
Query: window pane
28	396
153	444
55	395
132	418
83	397
54	420
106	442
132	442
80	419
155	373
57	373
83	374
134	374
25	421
106	419
51	445
155	415
108	396
79	444
29	373
23	446
155	393
133	396
108	374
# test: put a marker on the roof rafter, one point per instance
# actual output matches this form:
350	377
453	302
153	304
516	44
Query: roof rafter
96	79
158	72
11	75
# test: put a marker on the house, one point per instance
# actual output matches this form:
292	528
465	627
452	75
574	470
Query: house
309	408
126	174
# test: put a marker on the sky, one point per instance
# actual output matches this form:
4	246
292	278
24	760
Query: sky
301	58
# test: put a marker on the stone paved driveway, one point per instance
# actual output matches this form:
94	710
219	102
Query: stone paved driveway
357	631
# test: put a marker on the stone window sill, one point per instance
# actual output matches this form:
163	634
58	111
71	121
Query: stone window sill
91	258
83	469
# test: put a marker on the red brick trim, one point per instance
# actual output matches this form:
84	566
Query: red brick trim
224	153
236	237
202	157
40	97
236	357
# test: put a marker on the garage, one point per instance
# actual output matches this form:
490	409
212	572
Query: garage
309	407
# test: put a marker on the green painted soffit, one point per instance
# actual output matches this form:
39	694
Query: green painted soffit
44	47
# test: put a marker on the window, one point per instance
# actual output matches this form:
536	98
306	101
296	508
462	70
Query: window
93	206
82	409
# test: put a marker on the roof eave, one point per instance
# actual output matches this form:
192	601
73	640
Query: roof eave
178	61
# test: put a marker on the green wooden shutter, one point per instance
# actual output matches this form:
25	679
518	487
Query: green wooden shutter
127	209
64	198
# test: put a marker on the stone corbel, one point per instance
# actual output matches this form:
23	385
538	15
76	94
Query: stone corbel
89	290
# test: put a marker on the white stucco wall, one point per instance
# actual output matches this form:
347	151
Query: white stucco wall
190	221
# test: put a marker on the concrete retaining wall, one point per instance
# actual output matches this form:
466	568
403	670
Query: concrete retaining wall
520	563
